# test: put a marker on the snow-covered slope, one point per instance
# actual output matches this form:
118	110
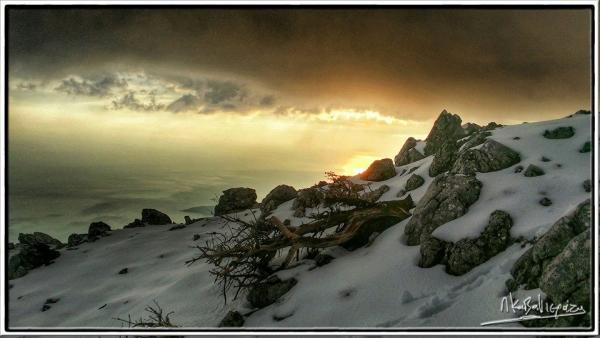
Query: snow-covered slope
378	285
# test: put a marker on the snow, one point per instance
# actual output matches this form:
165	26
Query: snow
379	285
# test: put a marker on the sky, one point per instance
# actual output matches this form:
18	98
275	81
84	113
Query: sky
112	110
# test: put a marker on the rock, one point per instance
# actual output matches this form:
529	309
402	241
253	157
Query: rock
559	133
408	153
377	225
187	220
516	138
443	159
323	259
474	140
266	293
432	252
471	128
586	148
280	194
97	230
177	227
196	237
413	182
545	159
379	170
468	253
447	128
235	199
533	170
373	196
307	198
546	202
447	197
491	156
39	238
76	239
31	255
137	223
511	285
123	271
580	112
529	267
518	169
492	125
155	217
232	319
587	185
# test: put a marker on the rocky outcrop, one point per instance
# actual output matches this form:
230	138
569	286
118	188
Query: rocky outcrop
97	230
76	239
471	128
379	170
232	319
559	133
414	182
491	156
36	249
266	293
443	159
447	128
474	140
308	198
235	199
447	197
533	170
408	153
280	194
155	217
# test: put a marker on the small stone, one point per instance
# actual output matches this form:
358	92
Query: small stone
52	300
586	148
518	169
558	165
516	138
123	271
533	170
196	237
232	319
45	307
414	182
546	202
559	133
545	159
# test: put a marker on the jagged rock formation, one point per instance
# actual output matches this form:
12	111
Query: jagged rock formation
235	199
379	170
280	194
491	156
36	249
443	159
559	264
447	197
408	153
447	128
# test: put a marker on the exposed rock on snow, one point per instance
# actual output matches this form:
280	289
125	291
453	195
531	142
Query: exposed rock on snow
232	319
413	182
323	259
448	197
137	223
559	133
373	196
586	148
76	239
474	140
446	129
533	170
97	230
379	170
235	199
269	291
155	217
491	156
280	194
35	250
308	198
587	185
408	153
432	252
546	202
471	128
39	238
530	266
443	159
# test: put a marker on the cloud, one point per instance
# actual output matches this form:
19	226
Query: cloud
85	87
222	91
129	101
185	103
27	86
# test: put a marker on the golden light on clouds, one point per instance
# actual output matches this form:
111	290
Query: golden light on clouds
357	164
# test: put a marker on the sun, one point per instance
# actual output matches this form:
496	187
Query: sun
357	164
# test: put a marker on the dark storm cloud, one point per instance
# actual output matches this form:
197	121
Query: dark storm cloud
130	101
85	87
399	60
185	103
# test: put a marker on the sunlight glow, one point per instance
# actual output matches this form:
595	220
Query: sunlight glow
357	164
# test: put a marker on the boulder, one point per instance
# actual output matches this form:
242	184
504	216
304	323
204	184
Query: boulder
491	156
266	293
235	199
97	230
39	238
468	253
533	170
379	170
280	194
155	217
559	133
76	239
137	223
447	128
447	197
443	159
414	182
31	255
232	319
432	252
408	153
308	198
